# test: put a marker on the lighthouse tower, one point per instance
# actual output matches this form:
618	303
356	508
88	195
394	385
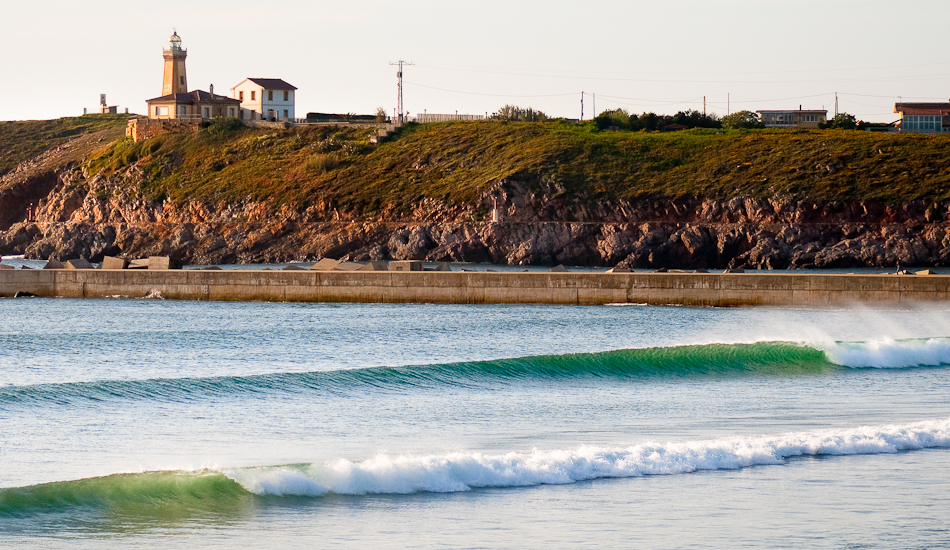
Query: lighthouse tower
176	80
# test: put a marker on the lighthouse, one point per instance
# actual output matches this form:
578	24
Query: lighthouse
175	80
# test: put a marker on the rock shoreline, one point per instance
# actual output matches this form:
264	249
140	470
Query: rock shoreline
91	217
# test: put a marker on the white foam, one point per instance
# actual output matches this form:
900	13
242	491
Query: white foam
463	471
889	353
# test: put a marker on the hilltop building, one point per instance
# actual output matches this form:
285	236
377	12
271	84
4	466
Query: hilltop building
924	118
176	102
792	119
265	99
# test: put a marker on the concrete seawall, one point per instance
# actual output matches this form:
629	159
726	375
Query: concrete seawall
693	289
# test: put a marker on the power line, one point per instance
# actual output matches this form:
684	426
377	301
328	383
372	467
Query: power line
541	72
488	95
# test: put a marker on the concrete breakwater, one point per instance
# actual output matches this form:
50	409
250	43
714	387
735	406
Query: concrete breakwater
692	289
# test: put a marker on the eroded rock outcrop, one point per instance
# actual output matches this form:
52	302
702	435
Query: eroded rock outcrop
91	217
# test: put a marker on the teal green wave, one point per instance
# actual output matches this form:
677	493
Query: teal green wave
763	358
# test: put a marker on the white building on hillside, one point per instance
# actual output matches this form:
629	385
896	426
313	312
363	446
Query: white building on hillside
265	99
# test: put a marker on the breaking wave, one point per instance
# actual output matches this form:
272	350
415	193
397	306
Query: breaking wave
762	358
455	472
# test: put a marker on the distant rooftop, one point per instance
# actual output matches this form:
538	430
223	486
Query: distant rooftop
269	83
923	108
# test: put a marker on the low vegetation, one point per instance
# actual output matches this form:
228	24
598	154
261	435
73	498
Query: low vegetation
23	140
455	162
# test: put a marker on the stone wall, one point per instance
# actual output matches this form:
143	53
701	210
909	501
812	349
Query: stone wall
691	289
140	129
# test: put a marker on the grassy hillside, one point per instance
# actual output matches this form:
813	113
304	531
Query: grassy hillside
455	162
23	140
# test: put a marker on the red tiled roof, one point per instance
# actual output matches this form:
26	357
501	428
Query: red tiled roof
192	97
923	108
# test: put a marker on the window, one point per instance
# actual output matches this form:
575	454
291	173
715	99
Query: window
270	95
286	115
184	109
241	96
181	80
253	94
207	112
231	111
922	123
286	95
161	111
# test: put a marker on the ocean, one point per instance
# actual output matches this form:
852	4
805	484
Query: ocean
134	423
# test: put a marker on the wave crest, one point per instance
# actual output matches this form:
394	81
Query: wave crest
762	358
210	490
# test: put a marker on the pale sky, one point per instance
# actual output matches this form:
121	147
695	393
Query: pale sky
474	57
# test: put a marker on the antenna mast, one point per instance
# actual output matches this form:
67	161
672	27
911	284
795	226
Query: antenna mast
399	101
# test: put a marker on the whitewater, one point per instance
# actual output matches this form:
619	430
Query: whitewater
134	423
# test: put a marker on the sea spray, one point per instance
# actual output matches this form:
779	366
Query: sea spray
889	353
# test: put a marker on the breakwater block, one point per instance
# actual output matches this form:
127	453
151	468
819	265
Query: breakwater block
293	267
926	272
443	266
53	264
405	265
163	262
348	266
326	264
4	266
138	264
618	270
111	262
558	269
376	266
78	263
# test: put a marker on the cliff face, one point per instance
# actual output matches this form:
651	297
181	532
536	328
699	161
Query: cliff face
89	217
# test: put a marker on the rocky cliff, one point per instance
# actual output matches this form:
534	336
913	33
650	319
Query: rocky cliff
91	217
89	214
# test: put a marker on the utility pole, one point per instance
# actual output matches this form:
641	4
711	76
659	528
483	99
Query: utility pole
836	103
582	106
399	74
728	103
704	106
594	103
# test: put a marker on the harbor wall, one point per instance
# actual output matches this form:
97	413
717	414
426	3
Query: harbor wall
692	289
